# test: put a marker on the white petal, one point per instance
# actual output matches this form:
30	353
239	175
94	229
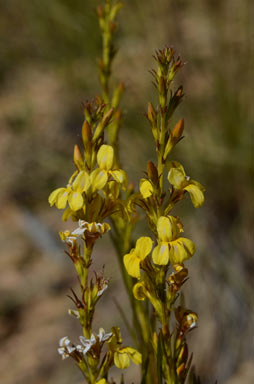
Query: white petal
101	334
74	313
93	339
107	336
62	352
79	348
100	292
78	232
86	349
64	341
70	349
84	341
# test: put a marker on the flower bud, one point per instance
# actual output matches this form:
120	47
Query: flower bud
77	157
100	11
152	172
117	95
189	321
86	133
178	129
151	113
104	122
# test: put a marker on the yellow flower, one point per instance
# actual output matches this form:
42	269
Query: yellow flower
123	355
177	177
101	175
133	259
101	381
170	246
146	188
72	193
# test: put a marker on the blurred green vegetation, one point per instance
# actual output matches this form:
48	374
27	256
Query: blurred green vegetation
48	56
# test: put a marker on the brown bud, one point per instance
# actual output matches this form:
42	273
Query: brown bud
118	114
178	129
86	133
179	92
152	172
77	157
151	113
100	11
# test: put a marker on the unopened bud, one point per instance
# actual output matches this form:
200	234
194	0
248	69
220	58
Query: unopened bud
152	172
100	11
179	92
178	129
86	133
117	95
77	157
118	115
104	122
189	321
107	117
151	113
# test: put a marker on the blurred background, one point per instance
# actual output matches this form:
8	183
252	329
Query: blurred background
48	55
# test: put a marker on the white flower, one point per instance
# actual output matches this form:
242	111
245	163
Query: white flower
88	343
93	228
65	347
104	336
74	313
100	292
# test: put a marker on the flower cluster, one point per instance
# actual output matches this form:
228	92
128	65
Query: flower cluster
98	198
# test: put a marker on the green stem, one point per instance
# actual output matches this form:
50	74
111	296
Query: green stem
160	153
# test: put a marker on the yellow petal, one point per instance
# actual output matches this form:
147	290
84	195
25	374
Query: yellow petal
53	196
175	164
196	195
101	381
105	157
82	182
117	175
161	254
75	200
68	213
135	356
167	228
120	177
143	247
61	199
176	177
180	250
131	263
99	178
146	188
121	360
